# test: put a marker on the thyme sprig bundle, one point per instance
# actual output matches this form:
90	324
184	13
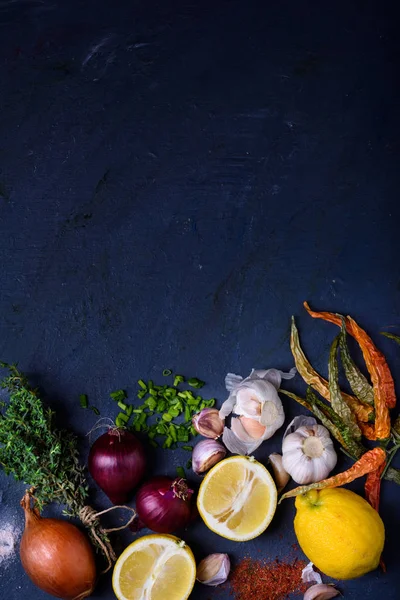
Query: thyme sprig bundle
46	458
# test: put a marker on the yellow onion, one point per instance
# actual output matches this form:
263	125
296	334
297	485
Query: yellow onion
56	555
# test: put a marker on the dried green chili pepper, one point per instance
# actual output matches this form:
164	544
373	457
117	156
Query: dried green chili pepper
338	404
317	382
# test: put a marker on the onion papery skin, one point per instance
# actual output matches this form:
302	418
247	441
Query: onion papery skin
163	504
117	463
57	556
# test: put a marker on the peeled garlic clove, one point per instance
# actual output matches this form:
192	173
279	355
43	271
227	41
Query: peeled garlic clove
206	454
321	591
252	427
214	569
208	423
280	475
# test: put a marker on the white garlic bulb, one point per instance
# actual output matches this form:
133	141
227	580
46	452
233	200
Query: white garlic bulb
308	454
256	402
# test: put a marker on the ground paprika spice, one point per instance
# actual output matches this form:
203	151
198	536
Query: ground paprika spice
261	580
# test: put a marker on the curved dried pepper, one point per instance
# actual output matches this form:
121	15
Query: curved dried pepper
391	336
378	368
370	461
320	384
297	399
336	426
373	486
359	384
338	404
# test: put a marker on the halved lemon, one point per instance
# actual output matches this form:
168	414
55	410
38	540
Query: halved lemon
155	567
237	498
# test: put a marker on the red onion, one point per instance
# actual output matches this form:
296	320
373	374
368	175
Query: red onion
117	463
163	504
56	555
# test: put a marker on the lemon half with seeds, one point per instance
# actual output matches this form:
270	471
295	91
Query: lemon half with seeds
155	567
237	498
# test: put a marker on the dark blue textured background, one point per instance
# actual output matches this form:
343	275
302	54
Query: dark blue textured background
175	179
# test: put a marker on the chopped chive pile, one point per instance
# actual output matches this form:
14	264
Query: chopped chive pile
166	412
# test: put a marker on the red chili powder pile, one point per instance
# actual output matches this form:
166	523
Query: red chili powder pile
260	580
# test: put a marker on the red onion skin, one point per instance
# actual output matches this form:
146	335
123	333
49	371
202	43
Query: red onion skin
57	556
158	507
117	463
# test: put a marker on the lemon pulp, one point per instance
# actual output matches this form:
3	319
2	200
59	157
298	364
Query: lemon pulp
237	498
155	567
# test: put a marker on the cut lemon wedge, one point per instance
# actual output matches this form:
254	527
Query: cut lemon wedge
155	567
237	498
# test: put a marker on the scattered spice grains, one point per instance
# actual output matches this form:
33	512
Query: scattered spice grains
9	537
267	580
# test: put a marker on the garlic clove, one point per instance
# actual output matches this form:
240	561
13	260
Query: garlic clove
208	423
308	574
214	569
206	454
237	445
238	428
247	403
321	591
280	475
253	428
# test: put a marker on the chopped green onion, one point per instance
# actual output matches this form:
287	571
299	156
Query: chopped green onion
181	472
95	410
188	416
195	383
189	464
174	412
83	399
123	417
167	417
129	410
178	379
119	422
137	410
188	448
118	395
142	384
167	372
122	405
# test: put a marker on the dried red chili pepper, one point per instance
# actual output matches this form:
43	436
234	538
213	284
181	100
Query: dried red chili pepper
370	461
381	377
373	486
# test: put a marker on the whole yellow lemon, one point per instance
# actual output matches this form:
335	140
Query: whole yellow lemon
339	532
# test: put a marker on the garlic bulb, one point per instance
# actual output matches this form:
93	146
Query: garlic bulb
256	402
308	454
